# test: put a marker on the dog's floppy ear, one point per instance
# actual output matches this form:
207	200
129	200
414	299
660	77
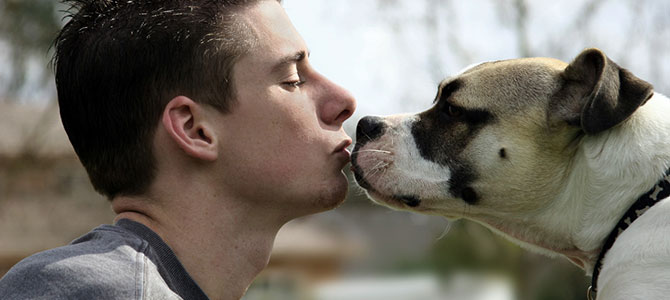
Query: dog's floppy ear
597	94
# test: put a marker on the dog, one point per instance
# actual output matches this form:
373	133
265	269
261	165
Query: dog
549	154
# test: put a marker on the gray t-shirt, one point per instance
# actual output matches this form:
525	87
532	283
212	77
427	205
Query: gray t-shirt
122	261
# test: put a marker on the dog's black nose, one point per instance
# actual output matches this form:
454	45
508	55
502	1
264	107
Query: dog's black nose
369	128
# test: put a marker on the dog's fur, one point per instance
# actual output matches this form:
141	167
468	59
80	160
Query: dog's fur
546	153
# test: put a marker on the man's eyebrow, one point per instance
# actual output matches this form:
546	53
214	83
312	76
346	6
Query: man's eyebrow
290	59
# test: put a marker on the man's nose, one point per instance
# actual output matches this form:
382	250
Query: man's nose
338	106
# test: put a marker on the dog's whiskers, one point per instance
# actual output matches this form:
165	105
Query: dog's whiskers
373	172
380	166
368	159
373	150
446	230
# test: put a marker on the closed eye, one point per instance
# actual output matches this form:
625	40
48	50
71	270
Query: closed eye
294	83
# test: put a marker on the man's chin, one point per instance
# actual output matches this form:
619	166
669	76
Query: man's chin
333	194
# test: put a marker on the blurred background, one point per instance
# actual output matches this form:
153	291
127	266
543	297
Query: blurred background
390	54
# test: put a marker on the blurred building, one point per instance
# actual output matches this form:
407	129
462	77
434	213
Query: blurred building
45	197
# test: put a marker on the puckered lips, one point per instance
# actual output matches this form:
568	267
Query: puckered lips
342	152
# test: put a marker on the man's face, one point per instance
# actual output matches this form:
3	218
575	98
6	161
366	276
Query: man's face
283	143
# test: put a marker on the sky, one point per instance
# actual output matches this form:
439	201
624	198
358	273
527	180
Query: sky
391	57
392	64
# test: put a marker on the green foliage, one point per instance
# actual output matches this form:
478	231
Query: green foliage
29	27
29	24
469	247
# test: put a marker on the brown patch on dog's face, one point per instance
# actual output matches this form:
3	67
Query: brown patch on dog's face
482	145
448	121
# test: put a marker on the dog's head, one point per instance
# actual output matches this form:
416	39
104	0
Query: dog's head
498	139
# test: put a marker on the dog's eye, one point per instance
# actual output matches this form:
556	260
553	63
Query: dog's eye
453	111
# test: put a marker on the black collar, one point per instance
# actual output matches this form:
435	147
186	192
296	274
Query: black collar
660	191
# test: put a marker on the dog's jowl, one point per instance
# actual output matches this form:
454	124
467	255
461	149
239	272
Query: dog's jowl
550	154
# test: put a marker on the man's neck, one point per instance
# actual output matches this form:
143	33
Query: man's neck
223	247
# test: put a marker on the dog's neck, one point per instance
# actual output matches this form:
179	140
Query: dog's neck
611	170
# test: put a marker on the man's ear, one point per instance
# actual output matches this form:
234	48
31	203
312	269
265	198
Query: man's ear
597	94
186	124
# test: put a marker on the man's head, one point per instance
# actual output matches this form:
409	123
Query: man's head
284	143
119	62
218	94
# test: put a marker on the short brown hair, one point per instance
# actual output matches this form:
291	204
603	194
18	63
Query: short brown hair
119	62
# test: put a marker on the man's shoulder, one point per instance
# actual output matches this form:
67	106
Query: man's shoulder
102	250
105	261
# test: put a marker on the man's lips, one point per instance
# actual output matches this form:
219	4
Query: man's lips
342	147
342	153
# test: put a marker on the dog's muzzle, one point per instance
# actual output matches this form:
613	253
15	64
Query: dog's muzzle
369	129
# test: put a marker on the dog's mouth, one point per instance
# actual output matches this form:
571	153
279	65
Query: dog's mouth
411	201
397	201
393	200
358	173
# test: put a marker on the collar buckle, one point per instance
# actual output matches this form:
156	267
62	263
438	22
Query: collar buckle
591	294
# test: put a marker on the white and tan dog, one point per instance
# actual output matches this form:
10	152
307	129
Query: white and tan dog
549	154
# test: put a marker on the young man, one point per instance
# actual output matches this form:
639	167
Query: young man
207	128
